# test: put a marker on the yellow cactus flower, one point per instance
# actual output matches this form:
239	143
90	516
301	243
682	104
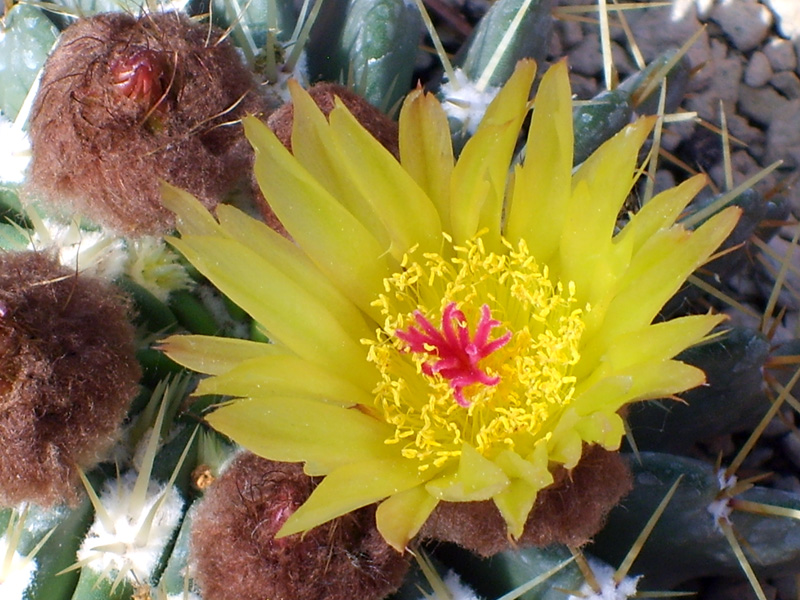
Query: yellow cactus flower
443	330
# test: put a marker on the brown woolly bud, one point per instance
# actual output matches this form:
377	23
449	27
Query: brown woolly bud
237	556
127	102
68	373
570	511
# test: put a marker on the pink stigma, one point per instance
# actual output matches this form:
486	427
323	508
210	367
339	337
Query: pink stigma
457	355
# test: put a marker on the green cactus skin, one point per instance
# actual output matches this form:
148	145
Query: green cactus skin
523	26
253	20
25	40
370	45
68	525
685	542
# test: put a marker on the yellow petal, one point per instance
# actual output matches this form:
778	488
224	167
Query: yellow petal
478	182
291	315
301	430
609	171
350	487
191	217
426	151
534	472
567	448
659	269
477	478
588	256
662	210
320	153
660	341
657	379
542	186
214	355
284	375
565	445
402	206
605	428
400	517
335	240
515	504
290	260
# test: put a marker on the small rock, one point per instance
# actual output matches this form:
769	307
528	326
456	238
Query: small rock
585	58
742	166
704	8
571	32
674	133
763	104
660	28
555	47
787	16
791	447
622	60
783	135
777	427
787	83
758	71
583	87
746	24
781	54
768	271
787	483
723	85
726	589
664	181
757	458
741	130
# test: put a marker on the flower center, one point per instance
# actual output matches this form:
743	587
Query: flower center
441	387
458	355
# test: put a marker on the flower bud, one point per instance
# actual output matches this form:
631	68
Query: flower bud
127	102
68	373
237	555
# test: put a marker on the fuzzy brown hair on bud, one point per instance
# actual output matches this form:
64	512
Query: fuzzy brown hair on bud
569	512
68	373
125	102
236	555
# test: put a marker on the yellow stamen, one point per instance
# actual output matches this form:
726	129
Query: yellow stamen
534	368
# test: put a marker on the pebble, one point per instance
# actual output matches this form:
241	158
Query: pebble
584	58
787	483
724	589
758	71
660	28
787	83
778	426
583	88
791	447
704	8
741	129
723	85
571	33
783	136
781	54
763	105
787	16
746	24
